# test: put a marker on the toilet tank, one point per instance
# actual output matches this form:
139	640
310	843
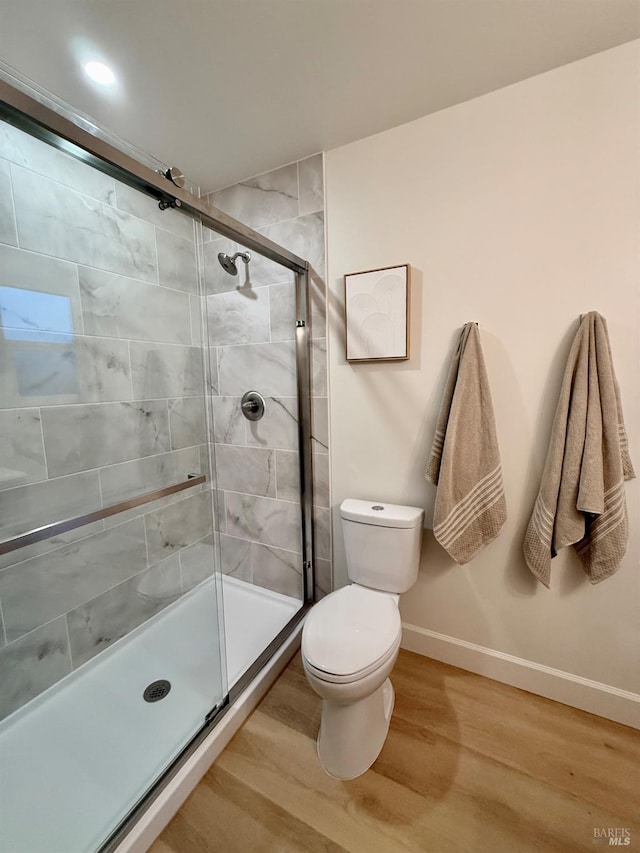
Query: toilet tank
382	542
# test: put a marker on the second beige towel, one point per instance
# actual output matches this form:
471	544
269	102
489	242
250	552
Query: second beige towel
581	501
470	508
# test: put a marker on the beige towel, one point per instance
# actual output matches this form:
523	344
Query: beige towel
581	501
464	464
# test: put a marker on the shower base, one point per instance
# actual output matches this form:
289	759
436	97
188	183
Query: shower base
76	759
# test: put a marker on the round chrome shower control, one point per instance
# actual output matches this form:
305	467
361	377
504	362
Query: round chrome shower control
252	405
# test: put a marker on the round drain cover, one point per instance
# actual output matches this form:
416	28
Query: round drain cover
157	690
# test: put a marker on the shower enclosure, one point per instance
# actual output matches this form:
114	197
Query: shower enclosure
155	538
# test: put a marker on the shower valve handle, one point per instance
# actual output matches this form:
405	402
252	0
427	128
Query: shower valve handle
252	405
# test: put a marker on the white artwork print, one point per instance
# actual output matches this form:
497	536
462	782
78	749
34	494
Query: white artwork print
377	314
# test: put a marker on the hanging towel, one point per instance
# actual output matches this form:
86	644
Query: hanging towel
470	508
581	501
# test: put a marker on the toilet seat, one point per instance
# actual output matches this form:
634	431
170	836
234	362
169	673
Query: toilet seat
351	633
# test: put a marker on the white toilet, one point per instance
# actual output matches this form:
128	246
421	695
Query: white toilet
351	639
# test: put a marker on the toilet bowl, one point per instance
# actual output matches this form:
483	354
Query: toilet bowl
350	643
351	639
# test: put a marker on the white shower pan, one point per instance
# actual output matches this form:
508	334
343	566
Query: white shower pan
75	756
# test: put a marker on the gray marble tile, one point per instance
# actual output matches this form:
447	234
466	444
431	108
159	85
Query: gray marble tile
321	532
145	509
104	620
321	479
319	367
117	307
304	236
318	302
264	272
26	507
234	318
288	475
143	206
195	307
166	370
216	280
52	544
21	448
176	262
323	576
32	664
265	520
277	570
262	200
38	590
7	219
25	150
311	181
85	370
187	422
197	562
220	511
282	311
228	421
267	368
213	377
130	479
235	556
207	463
57	221
39	277
278	427
246	469
176	526
77	438
319	425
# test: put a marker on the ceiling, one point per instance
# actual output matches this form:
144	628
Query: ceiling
227	89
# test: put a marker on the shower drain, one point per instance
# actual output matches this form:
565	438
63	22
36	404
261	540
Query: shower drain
157	690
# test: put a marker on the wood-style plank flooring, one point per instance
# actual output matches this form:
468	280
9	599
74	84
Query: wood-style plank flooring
469	765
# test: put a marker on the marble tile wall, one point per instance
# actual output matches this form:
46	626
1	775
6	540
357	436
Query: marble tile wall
101	399
251	334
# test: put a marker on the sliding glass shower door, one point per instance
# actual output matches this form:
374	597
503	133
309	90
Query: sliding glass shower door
253	315
111	649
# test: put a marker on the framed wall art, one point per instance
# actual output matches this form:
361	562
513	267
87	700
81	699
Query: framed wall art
376	304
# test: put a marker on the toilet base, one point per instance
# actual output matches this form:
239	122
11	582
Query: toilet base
352	734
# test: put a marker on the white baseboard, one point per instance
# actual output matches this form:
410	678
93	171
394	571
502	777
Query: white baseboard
165	806
592	696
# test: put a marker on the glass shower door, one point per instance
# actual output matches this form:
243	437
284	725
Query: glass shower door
111	655
252	309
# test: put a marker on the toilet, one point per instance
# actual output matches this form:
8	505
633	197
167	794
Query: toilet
351	639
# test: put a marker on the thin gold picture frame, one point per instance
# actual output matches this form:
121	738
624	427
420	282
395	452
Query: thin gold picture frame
354	342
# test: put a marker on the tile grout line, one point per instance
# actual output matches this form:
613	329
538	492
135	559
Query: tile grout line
66	624
155	243
44	450
13	205
4	626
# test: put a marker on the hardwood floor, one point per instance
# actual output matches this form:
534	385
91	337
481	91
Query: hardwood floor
469	765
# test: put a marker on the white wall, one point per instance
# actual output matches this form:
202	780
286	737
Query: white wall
519	210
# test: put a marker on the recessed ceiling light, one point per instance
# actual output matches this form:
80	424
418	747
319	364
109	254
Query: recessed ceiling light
100	73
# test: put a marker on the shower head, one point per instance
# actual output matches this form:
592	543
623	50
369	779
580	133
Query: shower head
229	264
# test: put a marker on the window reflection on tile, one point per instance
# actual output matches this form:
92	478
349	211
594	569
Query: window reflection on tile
30	315
37	331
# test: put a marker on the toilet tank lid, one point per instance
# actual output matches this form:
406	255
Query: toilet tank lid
381	514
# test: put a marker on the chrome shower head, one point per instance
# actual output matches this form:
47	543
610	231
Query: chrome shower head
229	265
